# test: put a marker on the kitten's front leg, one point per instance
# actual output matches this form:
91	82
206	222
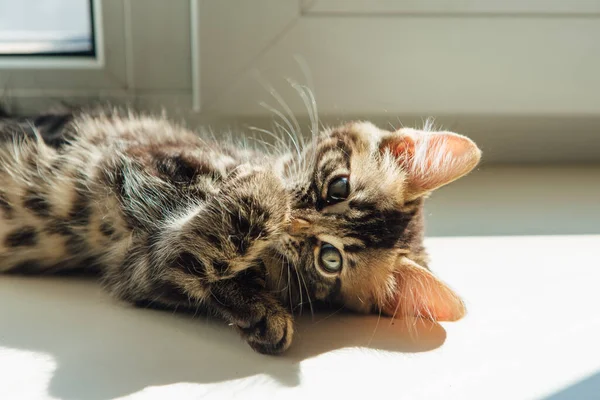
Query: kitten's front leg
251	214
212	257
257	314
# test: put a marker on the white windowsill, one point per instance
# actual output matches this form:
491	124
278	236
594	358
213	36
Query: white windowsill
531	330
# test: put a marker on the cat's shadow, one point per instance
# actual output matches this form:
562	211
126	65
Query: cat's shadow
104	350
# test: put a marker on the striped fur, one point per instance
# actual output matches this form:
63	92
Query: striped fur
173	220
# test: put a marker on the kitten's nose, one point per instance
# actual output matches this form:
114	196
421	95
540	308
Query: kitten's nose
299	226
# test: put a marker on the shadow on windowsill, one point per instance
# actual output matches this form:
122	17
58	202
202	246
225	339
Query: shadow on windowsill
104	350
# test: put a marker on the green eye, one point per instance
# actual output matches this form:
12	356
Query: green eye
331	259
338	190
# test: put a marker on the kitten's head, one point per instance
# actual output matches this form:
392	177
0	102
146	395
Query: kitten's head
356	233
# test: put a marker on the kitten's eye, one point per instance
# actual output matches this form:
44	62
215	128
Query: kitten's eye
338	190
331	259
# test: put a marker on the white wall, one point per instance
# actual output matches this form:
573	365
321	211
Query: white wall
520	76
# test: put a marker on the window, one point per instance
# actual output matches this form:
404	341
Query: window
46	28
81	51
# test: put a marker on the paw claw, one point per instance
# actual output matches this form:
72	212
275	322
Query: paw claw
272	334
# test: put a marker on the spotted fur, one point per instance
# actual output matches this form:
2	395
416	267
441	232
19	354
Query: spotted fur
173	220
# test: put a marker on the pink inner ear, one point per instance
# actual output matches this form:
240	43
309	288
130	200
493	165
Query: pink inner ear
420	294
433	159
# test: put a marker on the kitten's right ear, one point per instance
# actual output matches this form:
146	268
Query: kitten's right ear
431	159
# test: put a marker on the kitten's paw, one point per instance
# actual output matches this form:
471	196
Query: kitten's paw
272	333
259	211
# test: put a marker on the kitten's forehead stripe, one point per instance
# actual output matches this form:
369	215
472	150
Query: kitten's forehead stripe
349	136
338	146
331	166
353	248
333	155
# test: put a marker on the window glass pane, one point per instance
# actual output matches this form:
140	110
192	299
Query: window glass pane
46	27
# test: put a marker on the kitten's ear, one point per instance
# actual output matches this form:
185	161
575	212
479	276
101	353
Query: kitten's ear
432	159
421	294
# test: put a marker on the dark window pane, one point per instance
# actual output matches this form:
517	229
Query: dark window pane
46	27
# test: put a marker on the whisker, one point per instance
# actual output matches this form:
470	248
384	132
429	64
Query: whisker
397	305
309	84
329	315
196	310
282	103
301	304
310	104
289	285
279	114
429	124
308	295
284	119
400	122
374	329
281	272
298	151
266	132
286	108
264	143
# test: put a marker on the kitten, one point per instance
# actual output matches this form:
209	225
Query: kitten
173	220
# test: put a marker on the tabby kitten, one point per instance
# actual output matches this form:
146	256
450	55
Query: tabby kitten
172	220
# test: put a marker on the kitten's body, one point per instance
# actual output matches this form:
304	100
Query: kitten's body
172	220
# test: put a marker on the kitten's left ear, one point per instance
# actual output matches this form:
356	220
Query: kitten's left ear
431	159
419	293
